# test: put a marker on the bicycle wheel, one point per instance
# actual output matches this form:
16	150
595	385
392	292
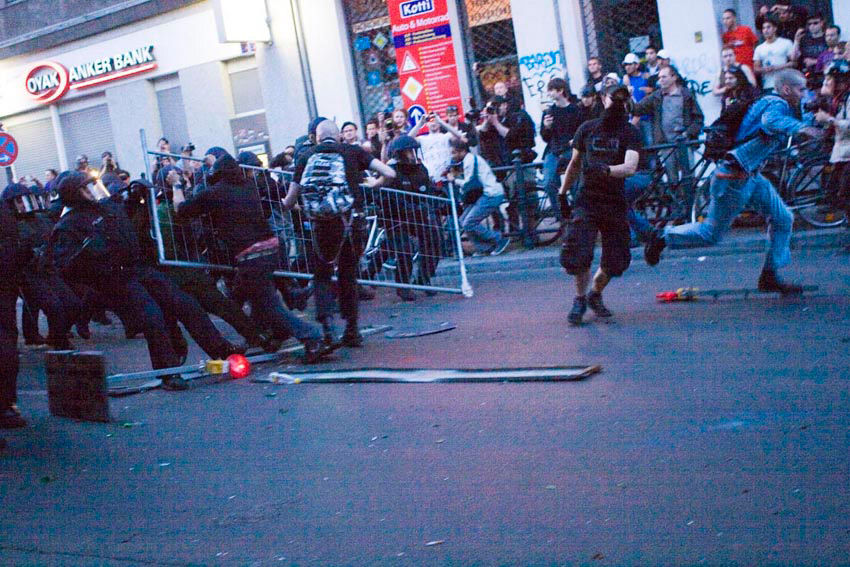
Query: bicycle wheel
813	196
545	224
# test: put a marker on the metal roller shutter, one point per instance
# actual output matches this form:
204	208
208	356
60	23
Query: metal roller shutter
37	148
247	95
172	115
88	131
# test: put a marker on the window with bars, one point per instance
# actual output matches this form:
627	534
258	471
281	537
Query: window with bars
373	55
490	45
614	28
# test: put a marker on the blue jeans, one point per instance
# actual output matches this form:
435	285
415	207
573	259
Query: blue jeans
728	198
551	179
254	282
482	237
634	187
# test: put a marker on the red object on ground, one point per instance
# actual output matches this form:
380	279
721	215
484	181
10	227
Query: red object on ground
238	366
667	296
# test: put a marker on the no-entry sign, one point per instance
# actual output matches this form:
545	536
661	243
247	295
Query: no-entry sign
427	69
8	149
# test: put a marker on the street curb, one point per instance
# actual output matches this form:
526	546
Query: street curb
549	257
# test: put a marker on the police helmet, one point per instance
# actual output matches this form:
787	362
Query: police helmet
76	187
398	150
22	199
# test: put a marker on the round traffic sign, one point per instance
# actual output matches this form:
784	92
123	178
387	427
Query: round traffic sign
8	149
414	113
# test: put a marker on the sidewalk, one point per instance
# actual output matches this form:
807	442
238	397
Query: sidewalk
739	241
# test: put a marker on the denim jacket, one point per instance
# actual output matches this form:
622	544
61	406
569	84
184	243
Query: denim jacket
767	125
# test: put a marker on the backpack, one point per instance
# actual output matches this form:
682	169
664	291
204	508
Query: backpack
720	136
324	186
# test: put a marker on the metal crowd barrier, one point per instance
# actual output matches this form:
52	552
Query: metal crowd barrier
410	241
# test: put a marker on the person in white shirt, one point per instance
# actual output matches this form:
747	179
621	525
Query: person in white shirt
771	56
480	199
436	144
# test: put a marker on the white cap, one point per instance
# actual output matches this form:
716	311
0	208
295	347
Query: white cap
613	76
663	54
631	58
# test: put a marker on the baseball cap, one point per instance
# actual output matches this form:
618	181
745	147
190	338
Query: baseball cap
663	54
613	76
631	58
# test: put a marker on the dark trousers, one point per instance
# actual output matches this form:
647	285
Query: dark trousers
180	306
204	290
49	293
333	242
254	282
138	305
8	346
29	321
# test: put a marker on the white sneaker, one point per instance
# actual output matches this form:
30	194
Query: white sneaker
500	247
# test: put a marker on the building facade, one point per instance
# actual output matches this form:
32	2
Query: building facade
86	77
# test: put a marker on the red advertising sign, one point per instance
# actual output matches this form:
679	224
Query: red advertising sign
425	56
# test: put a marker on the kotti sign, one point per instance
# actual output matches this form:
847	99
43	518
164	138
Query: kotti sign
48	81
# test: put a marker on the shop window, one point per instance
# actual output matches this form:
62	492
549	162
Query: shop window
373	53
37	148
247	94
490	45
89	132
615	27
172	116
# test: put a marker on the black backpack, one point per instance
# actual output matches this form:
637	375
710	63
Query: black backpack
325	192
720	136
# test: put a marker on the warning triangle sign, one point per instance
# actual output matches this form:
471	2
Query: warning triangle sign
408	65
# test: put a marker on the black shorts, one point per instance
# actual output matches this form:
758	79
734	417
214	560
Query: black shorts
577	250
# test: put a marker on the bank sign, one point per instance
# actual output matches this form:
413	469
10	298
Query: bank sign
48	81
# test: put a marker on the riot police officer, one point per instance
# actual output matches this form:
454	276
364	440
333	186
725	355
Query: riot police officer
95	244
39	283
408	216
10	417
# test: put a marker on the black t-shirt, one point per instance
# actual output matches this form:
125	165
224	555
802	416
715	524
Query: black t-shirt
564	125
598	145
811	48
356	160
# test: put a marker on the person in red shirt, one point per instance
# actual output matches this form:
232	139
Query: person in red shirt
740	38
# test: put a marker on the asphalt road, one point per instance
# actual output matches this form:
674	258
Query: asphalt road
716	435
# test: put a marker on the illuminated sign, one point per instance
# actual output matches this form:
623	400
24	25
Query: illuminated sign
48	81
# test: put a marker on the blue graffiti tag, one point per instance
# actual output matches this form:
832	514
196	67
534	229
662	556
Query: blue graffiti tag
541	61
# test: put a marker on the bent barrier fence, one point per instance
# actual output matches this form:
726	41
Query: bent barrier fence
409	241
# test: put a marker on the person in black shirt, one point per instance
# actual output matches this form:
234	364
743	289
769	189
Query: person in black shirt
559	125
789	18
605	152
337	239
236	211
10	417
809	43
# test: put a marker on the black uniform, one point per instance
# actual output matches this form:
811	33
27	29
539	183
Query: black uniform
407	217
601	204
95	244
40	284
8	298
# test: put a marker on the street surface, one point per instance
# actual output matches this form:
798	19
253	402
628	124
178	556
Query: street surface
717	434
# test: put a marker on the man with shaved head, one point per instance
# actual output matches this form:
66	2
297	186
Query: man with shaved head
333	167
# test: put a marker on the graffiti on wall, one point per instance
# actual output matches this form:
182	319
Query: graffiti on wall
536	70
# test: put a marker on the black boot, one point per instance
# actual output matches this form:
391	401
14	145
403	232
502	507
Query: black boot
769	281
352	337
653	248
594	301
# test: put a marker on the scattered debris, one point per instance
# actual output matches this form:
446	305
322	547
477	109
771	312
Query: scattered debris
435	542
550	487
165	464
47	478
598	556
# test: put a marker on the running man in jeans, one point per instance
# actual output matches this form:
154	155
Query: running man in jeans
737	182
605	150
486	240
